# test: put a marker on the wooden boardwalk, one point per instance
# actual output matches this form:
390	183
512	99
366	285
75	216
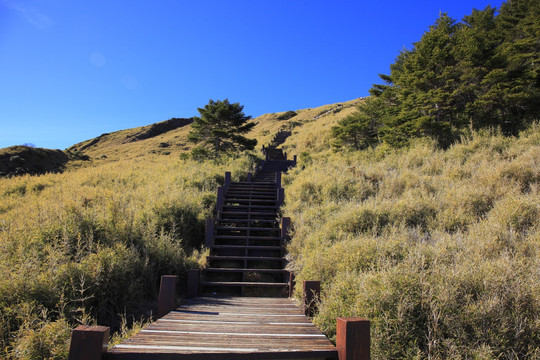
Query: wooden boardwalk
247	247
229	328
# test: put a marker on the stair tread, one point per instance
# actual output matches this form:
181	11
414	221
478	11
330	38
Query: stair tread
248	213
245	270
275	229
261	258
247	220
242	283
255	247
248	237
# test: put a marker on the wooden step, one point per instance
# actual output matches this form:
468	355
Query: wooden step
262	221
245	237
240	270
246	197
249	247
228	207
249	258
241	283
273	229
254	199
254	213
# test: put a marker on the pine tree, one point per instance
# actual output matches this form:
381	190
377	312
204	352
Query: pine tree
358	130
220	128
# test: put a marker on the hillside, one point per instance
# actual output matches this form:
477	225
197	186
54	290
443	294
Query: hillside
20	160
439	248
165	138
170	137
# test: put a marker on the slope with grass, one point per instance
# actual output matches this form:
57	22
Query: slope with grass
439	249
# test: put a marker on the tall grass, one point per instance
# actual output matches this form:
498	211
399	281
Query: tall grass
90	245
439	249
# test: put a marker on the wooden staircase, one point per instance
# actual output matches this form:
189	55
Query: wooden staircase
246	239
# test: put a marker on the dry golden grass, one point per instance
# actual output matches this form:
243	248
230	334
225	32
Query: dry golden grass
91	243
439	249
117	146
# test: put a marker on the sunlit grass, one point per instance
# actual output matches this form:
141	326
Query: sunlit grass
90	244
439	249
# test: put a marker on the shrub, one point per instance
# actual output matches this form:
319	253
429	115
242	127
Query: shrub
287	115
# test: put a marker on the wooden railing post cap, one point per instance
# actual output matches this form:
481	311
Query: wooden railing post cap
88	342
353	338
352	319
92	328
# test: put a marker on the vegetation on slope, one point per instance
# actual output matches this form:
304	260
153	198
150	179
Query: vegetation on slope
90	244
165	138
440	249
482	72
20	160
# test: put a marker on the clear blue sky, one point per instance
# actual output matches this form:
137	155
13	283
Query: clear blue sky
72	70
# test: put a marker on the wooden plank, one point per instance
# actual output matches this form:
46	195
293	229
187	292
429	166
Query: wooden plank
232	328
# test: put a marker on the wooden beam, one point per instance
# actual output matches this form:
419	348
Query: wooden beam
280	196
227	180
292	283
88	342
311	296
167	295
278	179
285	228
192	283
353	338
220	199
209	232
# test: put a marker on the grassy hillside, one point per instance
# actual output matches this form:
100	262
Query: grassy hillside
89	245
439	249
20	160
170	137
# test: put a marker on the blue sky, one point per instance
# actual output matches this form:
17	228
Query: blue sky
72	70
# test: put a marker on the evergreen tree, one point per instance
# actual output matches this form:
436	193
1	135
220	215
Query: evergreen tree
358	130
514	84
482	72
220	128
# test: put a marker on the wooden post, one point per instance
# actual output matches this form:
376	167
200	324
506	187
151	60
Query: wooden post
220	198
249	177
167	295
292	283
280	196
209	232
88	342
192	284
227	180
312	294
285	228
353	338
278	179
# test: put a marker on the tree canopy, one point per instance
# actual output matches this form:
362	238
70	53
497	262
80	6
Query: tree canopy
220	128
481	72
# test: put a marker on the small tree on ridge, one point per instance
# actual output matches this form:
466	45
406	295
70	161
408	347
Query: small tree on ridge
221	126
